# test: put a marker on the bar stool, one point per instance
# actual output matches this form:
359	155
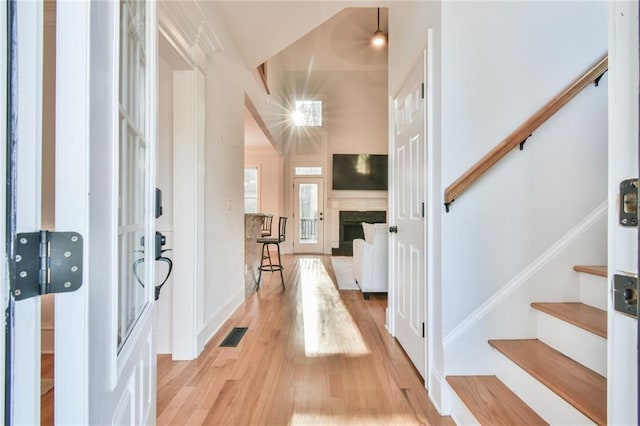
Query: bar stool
265	228
266	241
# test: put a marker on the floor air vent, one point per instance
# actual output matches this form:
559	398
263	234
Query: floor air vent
234	337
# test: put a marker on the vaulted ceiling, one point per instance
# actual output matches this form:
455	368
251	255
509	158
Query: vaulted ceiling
305	36
262	29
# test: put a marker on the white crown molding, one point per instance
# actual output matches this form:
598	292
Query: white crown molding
184	24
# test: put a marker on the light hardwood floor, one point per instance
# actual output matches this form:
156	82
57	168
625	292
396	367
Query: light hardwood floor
312	355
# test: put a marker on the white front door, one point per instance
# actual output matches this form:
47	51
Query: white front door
407	215
105	361
308	229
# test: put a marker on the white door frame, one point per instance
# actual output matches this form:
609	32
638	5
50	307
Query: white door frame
72	135
622	394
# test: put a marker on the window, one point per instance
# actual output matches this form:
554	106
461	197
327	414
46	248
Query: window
251	190
308	113
308	171
132	296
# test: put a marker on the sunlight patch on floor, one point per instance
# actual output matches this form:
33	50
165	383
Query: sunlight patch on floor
328	325
339	420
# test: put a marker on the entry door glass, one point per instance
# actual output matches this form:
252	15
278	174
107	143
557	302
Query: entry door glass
308	213
308	201
132	296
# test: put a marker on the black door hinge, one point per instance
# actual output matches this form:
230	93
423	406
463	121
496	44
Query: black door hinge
422	90
422	209
423	330
46	262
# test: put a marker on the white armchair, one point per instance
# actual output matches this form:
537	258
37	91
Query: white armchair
370	259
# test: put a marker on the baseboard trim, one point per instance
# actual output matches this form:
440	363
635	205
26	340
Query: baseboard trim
524	275
218	318
436	391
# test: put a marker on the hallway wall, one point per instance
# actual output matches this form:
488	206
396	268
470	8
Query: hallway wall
271	177
224	195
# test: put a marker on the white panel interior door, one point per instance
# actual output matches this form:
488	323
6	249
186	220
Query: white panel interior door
105	131
308	223
408	244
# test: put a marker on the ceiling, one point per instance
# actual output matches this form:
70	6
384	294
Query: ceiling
261	29
342	43
309	36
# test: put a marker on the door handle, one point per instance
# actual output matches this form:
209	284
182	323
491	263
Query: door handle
393	229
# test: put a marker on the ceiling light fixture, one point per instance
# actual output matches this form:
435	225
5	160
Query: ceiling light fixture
379	38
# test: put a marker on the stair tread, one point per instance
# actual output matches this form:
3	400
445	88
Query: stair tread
492	402
584	316
581	387
600	270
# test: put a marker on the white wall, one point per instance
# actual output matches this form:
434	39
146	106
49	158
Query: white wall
271	166
500	63
224	194
623	164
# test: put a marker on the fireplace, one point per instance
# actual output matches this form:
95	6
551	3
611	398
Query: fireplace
350	223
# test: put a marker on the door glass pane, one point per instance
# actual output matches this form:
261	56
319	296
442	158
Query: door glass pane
308	213
132	296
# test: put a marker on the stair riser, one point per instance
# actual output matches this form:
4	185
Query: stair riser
460	414
580	345
593	290
541	399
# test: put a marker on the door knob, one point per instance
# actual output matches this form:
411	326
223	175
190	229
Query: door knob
393	229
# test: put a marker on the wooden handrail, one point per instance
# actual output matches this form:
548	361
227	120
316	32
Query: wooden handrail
524	131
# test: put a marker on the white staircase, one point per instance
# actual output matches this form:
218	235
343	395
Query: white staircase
560	376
